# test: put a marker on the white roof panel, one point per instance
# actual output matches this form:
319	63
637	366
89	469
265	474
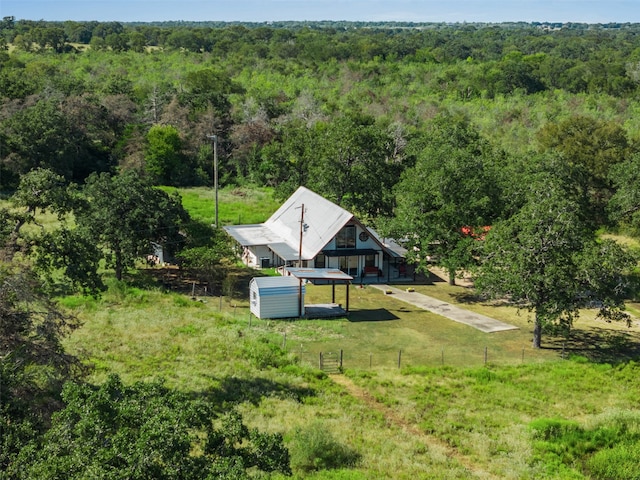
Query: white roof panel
393	248
322	220
285	251
319	273
275	282
247	235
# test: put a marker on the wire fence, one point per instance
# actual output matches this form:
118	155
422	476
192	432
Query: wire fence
434	357
310	353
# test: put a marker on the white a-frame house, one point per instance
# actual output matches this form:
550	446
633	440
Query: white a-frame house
310	231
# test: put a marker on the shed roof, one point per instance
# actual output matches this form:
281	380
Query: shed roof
275	282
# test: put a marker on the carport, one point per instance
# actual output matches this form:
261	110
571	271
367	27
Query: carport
321	275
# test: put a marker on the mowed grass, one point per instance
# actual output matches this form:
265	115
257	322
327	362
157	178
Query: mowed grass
236	205
202	349
384	331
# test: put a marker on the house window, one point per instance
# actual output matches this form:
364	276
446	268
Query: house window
370	261
321	261
349	265
346	237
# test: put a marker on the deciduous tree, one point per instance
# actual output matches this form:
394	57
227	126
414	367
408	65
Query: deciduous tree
546	259
164	159
147	430
125	215
625	204
33	363
354	163
590	144
447	199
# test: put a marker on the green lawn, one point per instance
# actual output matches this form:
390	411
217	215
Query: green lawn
236	205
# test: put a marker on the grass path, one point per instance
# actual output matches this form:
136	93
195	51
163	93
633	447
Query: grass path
431	442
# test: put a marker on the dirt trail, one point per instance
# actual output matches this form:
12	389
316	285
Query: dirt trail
393	418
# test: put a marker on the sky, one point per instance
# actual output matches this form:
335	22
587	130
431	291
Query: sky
583	11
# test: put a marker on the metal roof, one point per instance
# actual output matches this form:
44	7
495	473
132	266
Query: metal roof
319	274
392	247
275	282
247	235
285	251
281	233
322	221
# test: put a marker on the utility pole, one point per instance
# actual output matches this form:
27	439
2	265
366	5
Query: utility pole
214	139
301	232
300	298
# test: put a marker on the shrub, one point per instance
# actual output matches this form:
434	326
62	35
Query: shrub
617	463
608	450
263	354
313	448
552	428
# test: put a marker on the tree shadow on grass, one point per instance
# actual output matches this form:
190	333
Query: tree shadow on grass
375	315
234	390
599	345
469	296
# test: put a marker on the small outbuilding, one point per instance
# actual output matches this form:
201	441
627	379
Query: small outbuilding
276	297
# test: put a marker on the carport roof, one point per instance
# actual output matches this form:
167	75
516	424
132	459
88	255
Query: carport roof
319	274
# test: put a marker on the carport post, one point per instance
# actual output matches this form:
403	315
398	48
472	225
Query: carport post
347	284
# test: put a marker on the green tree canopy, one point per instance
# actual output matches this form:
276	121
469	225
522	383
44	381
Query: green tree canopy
126	216
625	203
592	145
33	363
447	199
146	431
164	159
208	87
546	258
354	163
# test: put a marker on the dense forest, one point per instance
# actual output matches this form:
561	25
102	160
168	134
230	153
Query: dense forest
420	129
81	97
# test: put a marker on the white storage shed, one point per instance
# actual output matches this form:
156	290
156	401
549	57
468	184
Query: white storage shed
276	297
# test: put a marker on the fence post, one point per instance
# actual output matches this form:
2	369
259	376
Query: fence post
442	357
341	353
522	354
284	340
485	355
220	304
249	318
370	360
563	350
399	358
320	364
